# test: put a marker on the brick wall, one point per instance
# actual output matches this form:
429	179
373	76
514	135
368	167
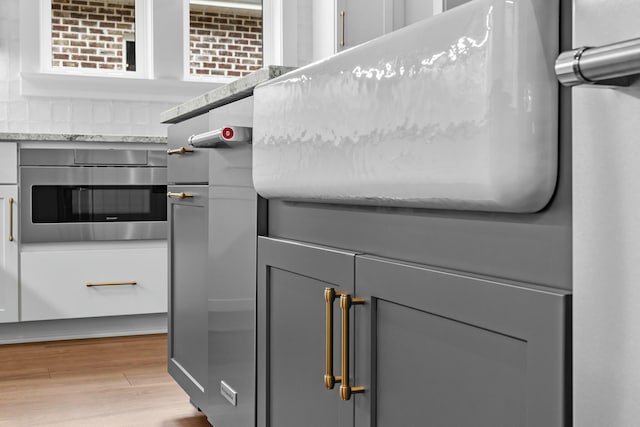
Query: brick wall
224	42
90	34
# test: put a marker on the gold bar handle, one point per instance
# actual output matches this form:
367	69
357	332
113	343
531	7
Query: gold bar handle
342	15
180	150
329	379
179	195
92	285
345	304
11	202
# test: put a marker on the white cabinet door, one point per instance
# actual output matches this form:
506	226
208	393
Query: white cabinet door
8	163
358	21
400	13
8	253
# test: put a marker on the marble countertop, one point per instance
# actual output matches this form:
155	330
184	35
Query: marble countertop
55	137
238	89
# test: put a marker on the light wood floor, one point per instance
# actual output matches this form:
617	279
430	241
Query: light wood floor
103	382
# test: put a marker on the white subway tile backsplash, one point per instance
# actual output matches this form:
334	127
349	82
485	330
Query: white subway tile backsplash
158	129
39	111
18	112
39	127
61	127
17	126
85	128
140	114
121	112
14	90
102	112
4	125
4	63
61	112
107	129
140	130
81	111
4	91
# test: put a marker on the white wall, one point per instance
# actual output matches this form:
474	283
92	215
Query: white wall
606	230
87	106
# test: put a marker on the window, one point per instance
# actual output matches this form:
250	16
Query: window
139	71
94	36
225	38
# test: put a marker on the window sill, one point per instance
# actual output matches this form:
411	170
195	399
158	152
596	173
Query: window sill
113	88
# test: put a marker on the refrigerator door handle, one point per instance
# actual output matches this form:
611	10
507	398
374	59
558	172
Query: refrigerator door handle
616	64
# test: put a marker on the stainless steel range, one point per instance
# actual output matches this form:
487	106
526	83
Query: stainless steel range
92	194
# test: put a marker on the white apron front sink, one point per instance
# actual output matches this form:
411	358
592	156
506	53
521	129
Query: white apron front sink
459	111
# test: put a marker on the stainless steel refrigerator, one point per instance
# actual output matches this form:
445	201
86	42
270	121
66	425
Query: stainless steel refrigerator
606	228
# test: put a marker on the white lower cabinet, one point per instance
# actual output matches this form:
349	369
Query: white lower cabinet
80	282
8	163
8	253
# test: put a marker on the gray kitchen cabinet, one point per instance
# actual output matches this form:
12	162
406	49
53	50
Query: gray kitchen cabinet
231	306
446	349
292	278
429	347
188	217
232	228
184	163
213	219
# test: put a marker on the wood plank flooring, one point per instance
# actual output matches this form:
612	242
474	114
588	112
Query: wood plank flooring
104	382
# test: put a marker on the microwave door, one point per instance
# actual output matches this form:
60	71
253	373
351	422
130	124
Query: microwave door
84	203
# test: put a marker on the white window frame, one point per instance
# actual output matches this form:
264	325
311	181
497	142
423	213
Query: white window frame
162	81
144	54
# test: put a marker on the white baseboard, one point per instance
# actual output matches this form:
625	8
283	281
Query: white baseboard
94	327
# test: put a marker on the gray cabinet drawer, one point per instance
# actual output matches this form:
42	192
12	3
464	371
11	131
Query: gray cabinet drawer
189	167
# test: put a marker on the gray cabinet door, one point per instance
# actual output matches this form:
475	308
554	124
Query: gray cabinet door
291	334
443	349
188	290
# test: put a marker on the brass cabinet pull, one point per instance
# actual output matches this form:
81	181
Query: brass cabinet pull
342	14
329	379
180	150
179	195
11	202
91	285
345	304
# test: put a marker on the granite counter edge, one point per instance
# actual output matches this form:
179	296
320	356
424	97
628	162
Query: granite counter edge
43	137
222	95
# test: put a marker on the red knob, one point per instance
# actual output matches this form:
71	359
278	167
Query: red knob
227	133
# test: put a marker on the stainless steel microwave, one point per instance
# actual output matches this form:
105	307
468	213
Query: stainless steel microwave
92	194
